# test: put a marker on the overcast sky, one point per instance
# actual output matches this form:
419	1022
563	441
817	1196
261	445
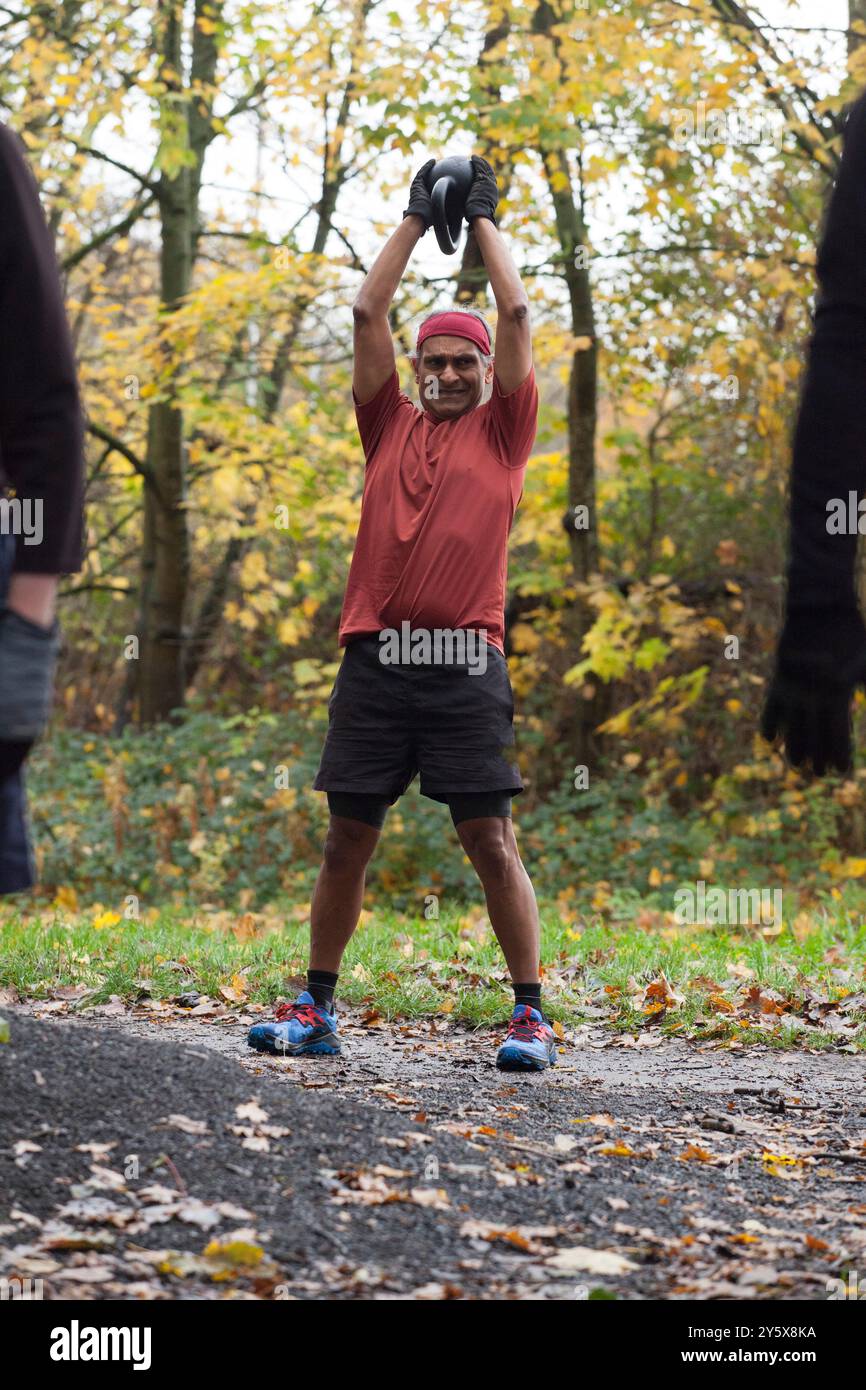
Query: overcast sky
230	169
354	209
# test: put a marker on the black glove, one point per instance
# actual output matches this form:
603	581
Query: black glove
12	755
820	661
419	196
483	193
28	655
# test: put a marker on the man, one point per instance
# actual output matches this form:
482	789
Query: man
821	657
441	488
41	439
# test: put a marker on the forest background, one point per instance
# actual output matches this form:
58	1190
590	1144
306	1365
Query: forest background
218	178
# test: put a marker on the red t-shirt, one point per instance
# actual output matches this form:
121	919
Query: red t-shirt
439	499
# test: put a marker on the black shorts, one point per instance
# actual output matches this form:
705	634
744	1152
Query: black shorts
388	722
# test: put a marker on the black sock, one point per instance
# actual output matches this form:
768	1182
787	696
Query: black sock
321	984
529	994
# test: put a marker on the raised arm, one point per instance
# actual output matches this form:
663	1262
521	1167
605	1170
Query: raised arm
513	351
374	359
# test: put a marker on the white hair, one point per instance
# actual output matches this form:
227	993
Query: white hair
486	357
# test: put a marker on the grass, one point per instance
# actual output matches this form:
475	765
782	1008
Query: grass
409	967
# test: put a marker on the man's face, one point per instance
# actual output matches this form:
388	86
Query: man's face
451	376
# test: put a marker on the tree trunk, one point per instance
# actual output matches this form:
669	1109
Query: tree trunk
166	546
577	723
334	173
485	93
856	11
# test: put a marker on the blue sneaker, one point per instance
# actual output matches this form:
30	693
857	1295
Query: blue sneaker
530	1044
303	1028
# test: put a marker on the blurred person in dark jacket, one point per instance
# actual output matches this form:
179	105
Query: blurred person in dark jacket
41	488
821	657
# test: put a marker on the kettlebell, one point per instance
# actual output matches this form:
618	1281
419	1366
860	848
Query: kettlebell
449	182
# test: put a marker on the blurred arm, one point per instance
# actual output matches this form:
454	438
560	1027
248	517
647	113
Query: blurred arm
829	446
41	424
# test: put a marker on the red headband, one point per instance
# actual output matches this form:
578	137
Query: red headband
456	325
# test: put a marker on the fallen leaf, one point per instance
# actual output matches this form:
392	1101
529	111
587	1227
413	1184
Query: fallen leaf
435	1197
582	1257
251	1110
694	1153
185	1124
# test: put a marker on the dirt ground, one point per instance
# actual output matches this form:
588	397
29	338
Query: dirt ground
154	1155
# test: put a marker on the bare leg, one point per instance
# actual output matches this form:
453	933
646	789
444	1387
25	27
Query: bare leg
489	841
339	891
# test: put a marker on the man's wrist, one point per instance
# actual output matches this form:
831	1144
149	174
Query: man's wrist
34	597
417	220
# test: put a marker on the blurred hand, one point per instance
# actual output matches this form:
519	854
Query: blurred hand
820	662
483	196
12	755
28	656
419	196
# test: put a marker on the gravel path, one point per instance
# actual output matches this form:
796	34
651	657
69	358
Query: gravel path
149	1155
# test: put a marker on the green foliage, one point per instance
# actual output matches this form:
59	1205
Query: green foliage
201	809
704	278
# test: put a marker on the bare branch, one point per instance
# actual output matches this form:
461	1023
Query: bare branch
117	444
116	229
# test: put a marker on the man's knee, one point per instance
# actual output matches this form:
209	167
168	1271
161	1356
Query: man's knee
348	844
491	847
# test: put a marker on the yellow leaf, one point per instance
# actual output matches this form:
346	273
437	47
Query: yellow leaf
244	928
525	638
694	1153
234	1252
105	919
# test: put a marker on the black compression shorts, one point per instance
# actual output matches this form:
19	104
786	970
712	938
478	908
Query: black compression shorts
372	809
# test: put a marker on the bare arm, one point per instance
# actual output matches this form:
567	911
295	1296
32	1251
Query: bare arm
374	359
513	332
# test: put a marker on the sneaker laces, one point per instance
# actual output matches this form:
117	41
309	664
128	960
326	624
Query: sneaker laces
525	1027
307	1014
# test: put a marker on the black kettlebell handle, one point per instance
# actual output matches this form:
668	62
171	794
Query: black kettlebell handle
448	240
449	182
